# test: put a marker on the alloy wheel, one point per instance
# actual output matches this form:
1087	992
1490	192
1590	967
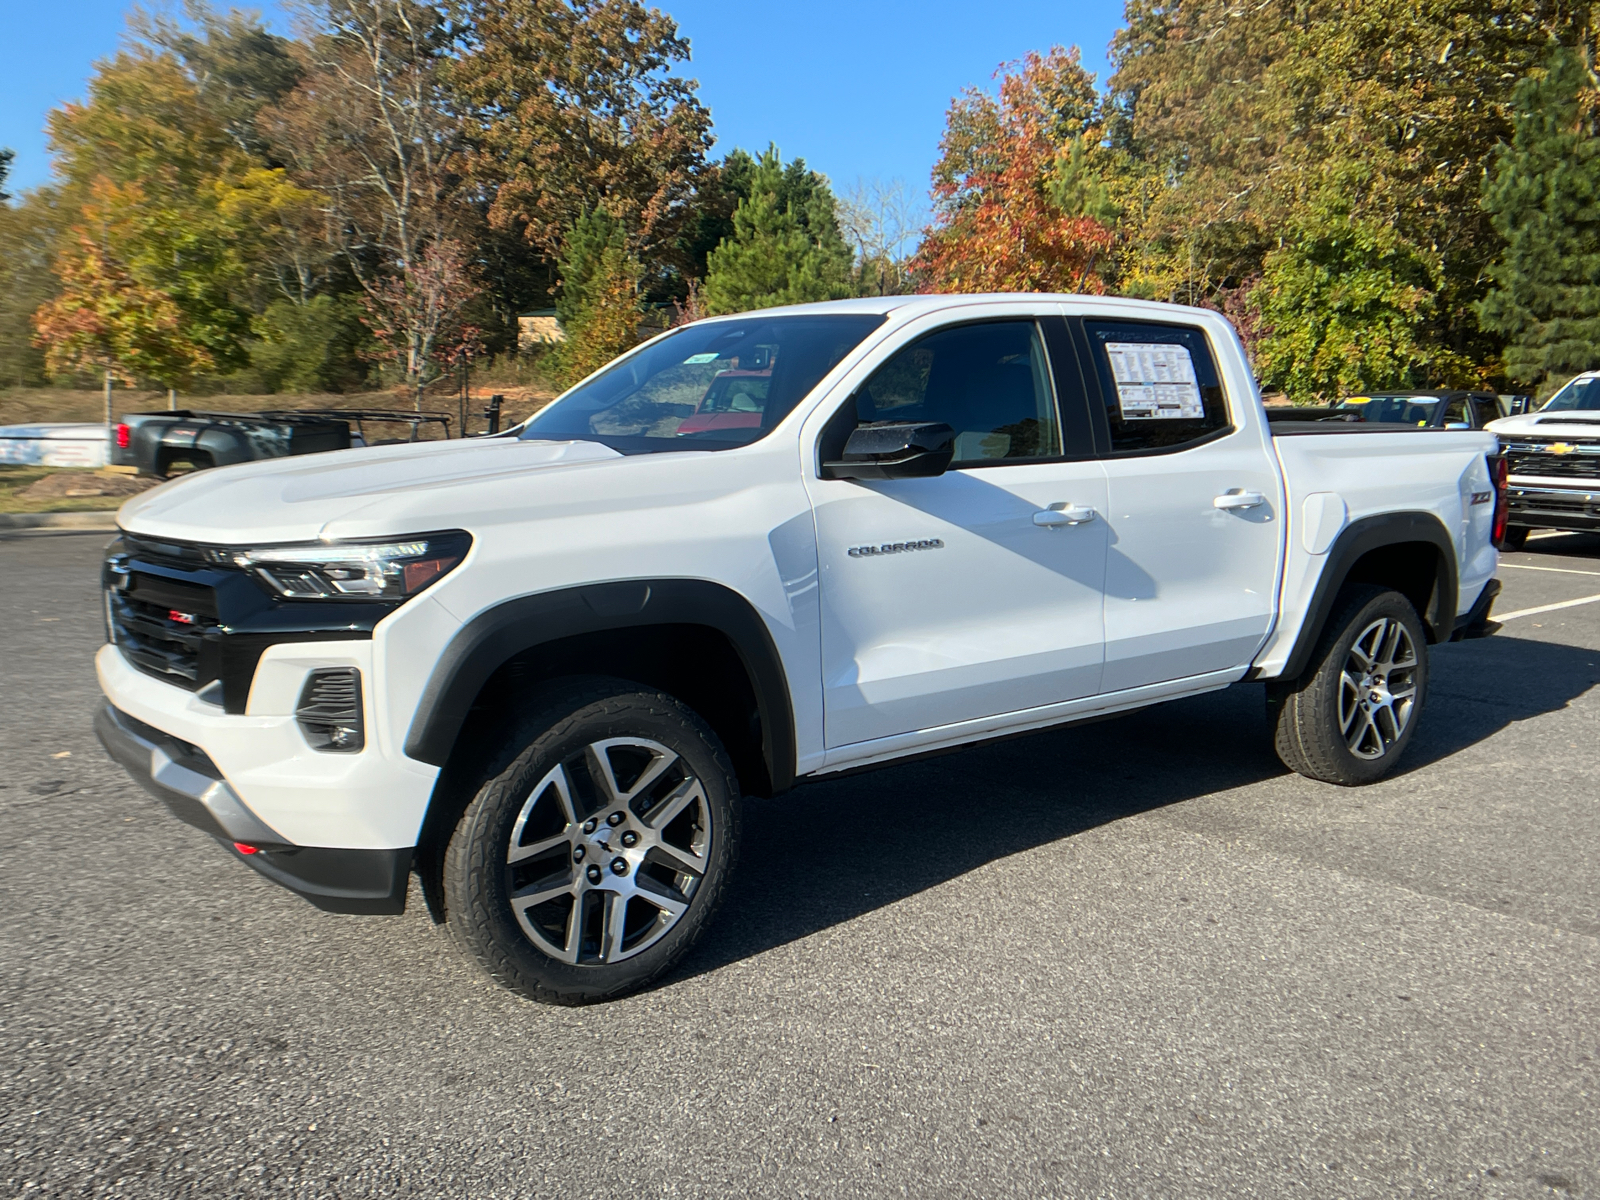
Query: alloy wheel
1378	688
608	850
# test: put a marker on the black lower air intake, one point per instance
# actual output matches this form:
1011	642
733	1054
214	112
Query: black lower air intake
330	710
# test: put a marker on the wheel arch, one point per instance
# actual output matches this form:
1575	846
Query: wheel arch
641	630
1411	552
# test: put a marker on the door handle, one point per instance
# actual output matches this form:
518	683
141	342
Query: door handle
1069	514
1239	498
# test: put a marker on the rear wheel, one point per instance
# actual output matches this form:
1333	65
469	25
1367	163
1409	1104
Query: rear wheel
588	867
1349	718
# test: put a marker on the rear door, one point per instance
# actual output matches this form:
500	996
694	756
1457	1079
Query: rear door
970	594
1195	505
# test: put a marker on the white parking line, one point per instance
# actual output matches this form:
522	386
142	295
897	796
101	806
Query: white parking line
1544	608
1557	570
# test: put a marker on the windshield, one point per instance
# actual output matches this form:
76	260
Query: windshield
1581	395
712	385
1404	410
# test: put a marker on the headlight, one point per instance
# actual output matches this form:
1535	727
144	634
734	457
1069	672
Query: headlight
377	570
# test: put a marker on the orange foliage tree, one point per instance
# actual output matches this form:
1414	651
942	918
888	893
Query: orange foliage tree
106	320
998	225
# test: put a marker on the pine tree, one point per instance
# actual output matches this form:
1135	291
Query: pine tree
786	247
1543	194
598	305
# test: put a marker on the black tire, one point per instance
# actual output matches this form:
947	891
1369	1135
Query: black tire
577	948
1516	537
1331	725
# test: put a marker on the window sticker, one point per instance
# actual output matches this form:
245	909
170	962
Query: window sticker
1155	382
700	358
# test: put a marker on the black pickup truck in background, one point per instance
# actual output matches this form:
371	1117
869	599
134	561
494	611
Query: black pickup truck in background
158	442
1443	408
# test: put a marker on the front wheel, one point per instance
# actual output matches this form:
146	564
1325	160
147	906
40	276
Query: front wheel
1516	537
1349	718
589	866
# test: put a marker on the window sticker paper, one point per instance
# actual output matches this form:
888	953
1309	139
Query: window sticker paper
700	358
1155	381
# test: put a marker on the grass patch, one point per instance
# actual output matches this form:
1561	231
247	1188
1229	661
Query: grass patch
13	479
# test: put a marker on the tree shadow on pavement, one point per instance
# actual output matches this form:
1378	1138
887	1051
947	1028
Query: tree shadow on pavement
832	851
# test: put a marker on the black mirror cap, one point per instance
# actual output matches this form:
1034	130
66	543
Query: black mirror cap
895	450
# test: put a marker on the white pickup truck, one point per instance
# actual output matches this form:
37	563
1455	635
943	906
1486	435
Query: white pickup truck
540	670
1553	462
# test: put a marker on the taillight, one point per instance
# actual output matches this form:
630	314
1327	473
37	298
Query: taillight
1498	470
124	436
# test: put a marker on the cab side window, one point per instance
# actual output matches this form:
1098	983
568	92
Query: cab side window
1486	410
1159	384
990	382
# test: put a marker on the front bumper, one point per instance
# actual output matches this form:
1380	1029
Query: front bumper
1543	507
183	777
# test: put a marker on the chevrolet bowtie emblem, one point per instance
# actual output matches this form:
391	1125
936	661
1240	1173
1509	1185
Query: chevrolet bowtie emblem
1562	447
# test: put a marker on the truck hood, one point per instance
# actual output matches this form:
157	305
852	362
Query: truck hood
305	498
1555	425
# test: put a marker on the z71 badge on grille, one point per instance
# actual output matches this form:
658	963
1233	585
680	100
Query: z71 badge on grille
895	548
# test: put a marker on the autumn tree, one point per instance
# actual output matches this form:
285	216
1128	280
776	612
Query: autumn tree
29	231
105	320
370	129
1241	128
1345	302
415	314
139	163
998	222
1543	194
573	106
599	303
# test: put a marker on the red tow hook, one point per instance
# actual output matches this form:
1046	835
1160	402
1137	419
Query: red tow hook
246	848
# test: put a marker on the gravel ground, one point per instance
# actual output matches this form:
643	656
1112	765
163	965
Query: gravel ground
1132	959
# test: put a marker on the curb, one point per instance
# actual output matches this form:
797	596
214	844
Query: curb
106	520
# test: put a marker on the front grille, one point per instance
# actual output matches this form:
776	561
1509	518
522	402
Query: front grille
1532	458
1577	504
180	554
160	626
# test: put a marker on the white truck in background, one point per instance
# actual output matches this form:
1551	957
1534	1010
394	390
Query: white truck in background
1553	462
541	670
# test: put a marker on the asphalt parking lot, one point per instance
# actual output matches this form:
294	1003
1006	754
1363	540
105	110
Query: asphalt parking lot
1131	959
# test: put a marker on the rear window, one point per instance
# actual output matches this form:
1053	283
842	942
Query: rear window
1160	384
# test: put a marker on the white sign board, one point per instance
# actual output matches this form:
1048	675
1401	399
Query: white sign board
1155	381
53	445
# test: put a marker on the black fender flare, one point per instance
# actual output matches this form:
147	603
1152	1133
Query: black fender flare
1360	538
498	634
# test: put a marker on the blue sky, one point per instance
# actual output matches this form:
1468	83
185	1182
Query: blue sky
858	89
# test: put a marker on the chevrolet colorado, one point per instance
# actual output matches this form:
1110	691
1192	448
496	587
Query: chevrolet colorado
540	670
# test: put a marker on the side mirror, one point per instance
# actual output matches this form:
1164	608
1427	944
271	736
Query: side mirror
894	450
1520	405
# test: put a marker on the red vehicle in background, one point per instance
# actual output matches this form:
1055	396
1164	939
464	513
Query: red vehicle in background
735	400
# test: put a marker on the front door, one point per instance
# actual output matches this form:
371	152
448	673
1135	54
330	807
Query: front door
977	592
1195	508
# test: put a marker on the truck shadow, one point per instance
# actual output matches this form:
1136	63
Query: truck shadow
832	851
